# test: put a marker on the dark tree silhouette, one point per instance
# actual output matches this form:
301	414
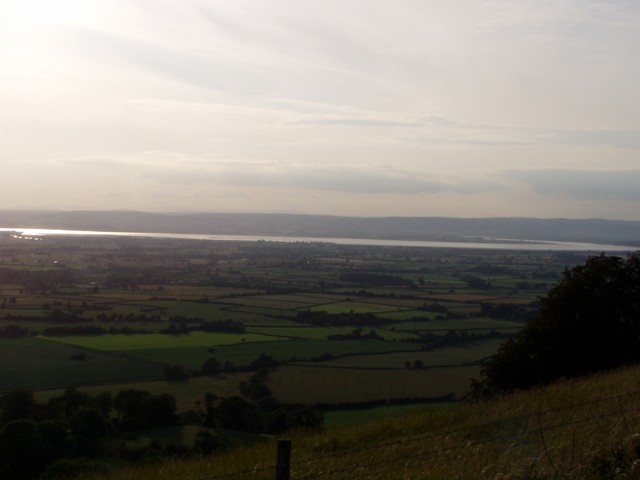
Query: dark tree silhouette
16	405
589	321
22	450
210	366
139	409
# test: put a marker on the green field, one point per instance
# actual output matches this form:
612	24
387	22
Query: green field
36	363
151	341
320	333
285	302
300	384
395	302
285	350
472	323
356	307
300	331
454	355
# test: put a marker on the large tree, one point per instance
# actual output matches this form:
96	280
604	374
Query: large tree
589	321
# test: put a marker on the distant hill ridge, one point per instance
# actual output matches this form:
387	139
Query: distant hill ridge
393	228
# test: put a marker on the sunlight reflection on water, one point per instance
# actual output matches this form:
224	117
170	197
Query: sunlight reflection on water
489	244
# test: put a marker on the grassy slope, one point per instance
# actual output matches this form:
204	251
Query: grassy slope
566	430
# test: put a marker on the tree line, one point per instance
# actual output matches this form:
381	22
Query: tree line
62	437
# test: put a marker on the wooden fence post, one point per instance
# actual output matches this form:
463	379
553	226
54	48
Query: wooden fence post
283	460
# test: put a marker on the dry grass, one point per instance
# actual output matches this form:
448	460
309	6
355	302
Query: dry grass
579	429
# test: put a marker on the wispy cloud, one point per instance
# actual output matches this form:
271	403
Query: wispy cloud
337	179
618	138
426	128
584	184
461	133
91	162
354	122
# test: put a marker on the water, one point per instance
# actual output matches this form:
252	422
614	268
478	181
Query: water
489	244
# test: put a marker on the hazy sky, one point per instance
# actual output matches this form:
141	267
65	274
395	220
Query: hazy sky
346	107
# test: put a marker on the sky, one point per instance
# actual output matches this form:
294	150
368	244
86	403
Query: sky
464	108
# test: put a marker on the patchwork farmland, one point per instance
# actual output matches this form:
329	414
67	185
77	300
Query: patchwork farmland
393	324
